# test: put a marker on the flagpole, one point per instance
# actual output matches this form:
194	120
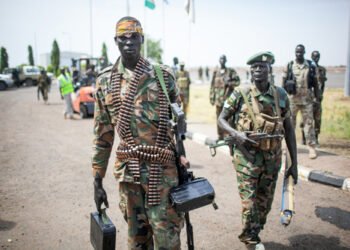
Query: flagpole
127	8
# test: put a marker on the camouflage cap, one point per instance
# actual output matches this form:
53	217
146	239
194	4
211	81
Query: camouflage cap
127	26
265	56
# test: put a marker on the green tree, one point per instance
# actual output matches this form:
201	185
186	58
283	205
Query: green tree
104	55
55	57
4	59
30	55
154	50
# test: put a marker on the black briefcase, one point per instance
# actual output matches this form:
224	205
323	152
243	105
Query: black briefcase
102	232
193	194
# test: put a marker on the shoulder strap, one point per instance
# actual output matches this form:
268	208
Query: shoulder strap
160	76
250	111
277	105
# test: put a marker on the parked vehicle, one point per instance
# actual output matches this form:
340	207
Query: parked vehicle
6	81
28	75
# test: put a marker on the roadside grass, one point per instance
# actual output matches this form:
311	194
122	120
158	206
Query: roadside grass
335	117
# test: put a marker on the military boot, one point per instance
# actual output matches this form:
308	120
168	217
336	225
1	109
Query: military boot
312	152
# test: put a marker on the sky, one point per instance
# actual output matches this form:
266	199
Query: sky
236	28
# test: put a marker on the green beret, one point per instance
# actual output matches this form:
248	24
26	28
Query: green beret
266	56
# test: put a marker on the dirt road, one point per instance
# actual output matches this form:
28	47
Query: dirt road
46	192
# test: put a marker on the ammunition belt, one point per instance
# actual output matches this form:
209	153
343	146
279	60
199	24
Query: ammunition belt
123	111
146	153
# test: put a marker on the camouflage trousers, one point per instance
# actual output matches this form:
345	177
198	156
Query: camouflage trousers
317	108
256	186
185	99
307	119
151	227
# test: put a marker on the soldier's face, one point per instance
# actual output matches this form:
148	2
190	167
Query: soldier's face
260	72
182	67
299	53
129	45
222	61
315	57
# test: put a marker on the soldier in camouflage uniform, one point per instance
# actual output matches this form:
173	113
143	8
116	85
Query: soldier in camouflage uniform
43	85
321	80
223	83
183	82
261	107
130	101
301	85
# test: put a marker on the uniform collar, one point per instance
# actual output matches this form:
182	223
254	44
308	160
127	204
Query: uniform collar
257	93
303	65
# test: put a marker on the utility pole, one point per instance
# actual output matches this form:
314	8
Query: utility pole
91	42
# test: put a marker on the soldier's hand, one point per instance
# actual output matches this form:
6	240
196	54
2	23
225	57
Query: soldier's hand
242	138
100	194
184	161
292	171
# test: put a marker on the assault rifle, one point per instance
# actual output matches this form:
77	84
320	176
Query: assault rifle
253	139
178	125
287	204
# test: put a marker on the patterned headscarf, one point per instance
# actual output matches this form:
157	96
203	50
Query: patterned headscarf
128	26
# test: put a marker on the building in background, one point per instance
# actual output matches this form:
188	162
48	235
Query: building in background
65	59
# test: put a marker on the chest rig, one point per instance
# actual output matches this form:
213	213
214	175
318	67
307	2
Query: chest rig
182	80
127	150
252	119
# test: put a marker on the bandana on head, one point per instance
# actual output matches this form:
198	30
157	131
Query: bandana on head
128	27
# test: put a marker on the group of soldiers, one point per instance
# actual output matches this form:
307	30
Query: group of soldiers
132	101
304	81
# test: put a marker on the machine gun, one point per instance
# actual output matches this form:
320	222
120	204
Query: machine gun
178	125
253	139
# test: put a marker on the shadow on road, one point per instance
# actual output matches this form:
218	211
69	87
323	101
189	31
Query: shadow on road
308	241
6	225
196	166
336	216
319	153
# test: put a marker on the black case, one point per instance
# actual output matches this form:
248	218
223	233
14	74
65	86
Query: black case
191	195
102	232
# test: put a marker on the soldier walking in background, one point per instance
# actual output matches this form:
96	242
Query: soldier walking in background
321	76
43	85
130	101
200	73
261	107
300	83
183	82
66	88
207	73
223	82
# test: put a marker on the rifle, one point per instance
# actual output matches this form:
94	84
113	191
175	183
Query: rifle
178	125
253	139
287	206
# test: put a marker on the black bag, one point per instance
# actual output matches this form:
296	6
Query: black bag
193	194
102	232
290	87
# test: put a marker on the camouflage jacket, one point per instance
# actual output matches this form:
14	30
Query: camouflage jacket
144	119
223	83
43	81
183	79
236	105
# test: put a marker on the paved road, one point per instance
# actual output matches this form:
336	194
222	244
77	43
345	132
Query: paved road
46	191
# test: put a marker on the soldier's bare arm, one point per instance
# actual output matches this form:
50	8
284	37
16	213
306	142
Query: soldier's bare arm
292	148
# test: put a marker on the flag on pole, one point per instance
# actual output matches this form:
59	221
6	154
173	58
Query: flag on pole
150	4
189	7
